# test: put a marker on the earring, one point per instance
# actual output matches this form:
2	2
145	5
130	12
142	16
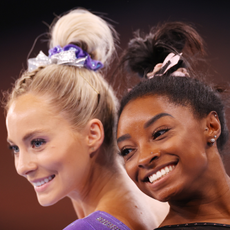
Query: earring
212	140
92	148
151	152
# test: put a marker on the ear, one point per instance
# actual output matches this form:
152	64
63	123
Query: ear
213	128
95	135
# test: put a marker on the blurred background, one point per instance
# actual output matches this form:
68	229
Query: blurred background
22	21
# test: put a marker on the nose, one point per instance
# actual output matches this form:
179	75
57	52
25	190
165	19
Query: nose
25	164
147	156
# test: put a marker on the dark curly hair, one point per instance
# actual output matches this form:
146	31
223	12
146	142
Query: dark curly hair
144	52
185	91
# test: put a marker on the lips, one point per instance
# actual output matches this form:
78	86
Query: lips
40	182
161	173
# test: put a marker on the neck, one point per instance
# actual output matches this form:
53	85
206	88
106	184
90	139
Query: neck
97	185
209	203
111	190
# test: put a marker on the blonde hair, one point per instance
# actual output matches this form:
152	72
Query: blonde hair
77	93
90	32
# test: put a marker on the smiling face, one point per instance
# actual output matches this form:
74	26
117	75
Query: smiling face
47	152
164	147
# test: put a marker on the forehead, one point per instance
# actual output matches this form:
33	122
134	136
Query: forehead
29	113
29	104
140	110
149	104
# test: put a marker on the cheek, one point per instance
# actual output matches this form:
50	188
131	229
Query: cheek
194	147
190	150
131	168
54	159
72	161
16	163
59	154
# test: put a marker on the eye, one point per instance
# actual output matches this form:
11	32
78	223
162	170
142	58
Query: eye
159	133
126	151
36	143
14	149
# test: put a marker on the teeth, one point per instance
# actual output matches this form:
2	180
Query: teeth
167	170
161	173
40	183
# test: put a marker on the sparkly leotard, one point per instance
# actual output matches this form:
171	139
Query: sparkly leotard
97	221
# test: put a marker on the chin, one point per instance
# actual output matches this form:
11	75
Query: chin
161	198
166	197
163	195
47	201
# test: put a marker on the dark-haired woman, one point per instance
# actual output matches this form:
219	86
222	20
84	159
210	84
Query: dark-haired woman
171	133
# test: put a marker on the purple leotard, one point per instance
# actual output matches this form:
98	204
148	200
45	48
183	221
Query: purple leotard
97	220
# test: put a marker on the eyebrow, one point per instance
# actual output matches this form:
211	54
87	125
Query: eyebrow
9	141
146	125
155	118
28	136
123	138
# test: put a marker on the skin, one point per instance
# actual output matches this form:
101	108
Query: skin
45	145
161	134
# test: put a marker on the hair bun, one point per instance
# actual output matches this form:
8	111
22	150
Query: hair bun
86	30
145	51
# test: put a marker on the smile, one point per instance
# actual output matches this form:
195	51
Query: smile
43	181
161	173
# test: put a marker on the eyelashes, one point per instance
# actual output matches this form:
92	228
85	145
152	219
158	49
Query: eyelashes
14	149
159	133
156	135
35	144
126	151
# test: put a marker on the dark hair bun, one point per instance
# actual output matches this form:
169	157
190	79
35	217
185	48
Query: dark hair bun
145	51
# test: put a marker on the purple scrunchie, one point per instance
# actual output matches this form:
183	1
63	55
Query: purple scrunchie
89	62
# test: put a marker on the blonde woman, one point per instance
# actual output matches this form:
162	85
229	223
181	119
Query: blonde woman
60	121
